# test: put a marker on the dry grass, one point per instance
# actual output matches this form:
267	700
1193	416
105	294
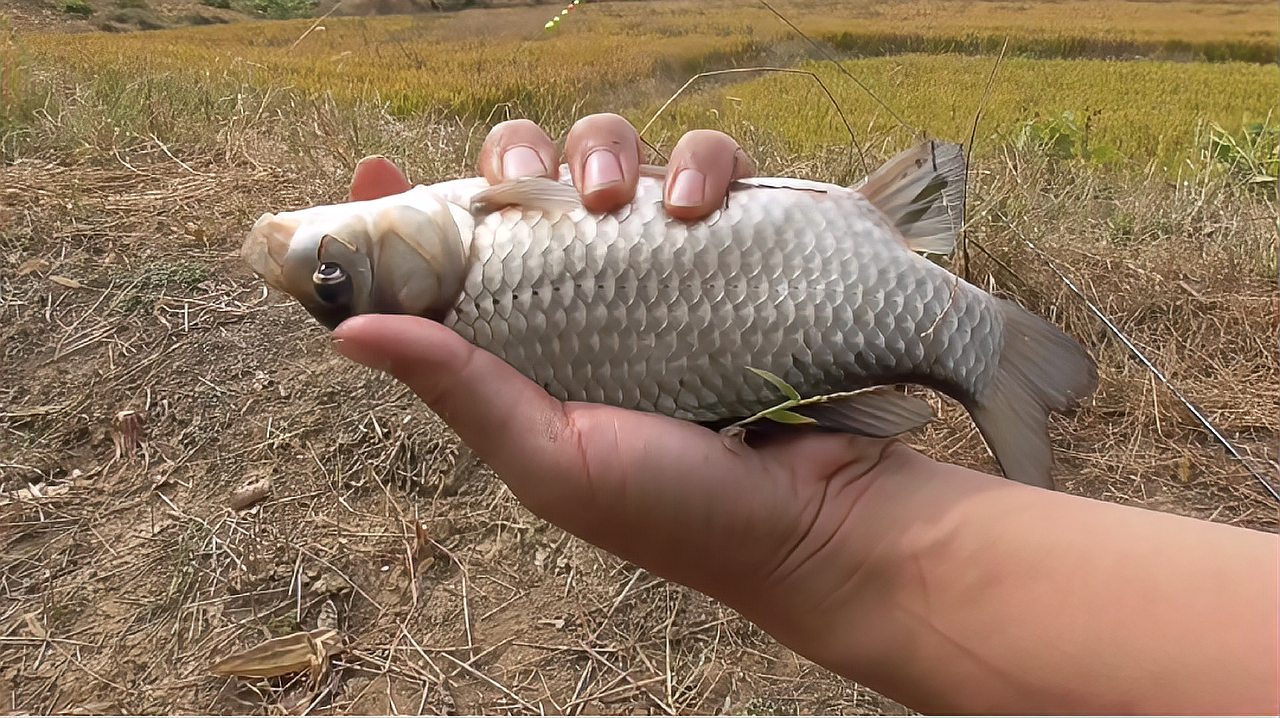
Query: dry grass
126	578
125	573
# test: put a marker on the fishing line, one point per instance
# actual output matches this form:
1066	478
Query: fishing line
1204	421
1097	312
841	68
968	163
554	22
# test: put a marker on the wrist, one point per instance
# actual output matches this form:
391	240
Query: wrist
835	597
961	592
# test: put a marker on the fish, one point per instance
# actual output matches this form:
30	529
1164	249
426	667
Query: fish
793	288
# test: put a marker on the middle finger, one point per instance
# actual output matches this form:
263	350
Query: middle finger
603	152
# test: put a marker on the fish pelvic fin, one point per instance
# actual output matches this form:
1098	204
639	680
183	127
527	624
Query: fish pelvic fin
879	412
1040	370
922	192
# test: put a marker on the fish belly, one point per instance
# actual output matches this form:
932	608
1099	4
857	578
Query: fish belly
641	311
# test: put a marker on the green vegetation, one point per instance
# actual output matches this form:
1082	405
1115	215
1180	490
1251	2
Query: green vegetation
482	65
282	9
77	7
1103	111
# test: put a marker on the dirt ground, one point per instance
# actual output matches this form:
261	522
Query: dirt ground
145	375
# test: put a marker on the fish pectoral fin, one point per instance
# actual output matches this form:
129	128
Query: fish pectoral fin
653	171
879	412
537	193
922	192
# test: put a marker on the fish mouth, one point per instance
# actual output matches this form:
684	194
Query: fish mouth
265	248
272	251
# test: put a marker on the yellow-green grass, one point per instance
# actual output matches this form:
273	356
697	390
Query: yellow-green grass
629	56
1220	29
1148	112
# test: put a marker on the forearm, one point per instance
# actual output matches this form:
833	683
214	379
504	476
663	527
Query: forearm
982	595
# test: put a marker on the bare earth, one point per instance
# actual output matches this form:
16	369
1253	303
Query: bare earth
146	375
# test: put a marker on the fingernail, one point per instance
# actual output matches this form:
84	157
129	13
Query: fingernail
522	161
689	188
602	169
369	158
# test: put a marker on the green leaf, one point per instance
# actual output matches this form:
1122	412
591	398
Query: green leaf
782	416
777	381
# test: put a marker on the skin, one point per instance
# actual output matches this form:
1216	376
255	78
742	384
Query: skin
946	589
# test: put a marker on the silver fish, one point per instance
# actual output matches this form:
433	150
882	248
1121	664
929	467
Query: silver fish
821	285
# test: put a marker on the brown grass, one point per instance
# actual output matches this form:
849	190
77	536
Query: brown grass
125	574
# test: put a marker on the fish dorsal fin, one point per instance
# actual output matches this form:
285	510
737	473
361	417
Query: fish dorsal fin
921	191
880	412
537	193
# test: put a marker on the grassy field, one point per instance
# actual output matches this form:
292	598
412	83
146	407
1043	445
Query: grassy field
626	57
145	374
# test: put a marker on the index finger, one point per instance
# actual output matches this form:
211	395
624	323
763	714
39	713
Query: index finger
518	148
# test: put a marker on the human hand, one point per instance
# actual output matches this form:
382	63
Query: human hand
603	153
755	528
949	590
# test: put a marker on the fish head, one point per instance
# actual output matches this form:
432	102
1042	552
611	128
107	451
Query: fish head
377	259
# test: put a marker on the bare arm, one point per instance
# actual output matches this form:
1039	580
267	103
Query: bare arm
946	589
982	595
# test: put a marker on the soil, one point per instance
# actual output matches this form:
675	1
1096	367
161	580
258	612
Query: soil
146	376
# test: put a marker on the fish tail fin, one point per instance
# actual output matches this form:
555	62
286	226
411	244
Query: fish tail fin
1040	370
922	192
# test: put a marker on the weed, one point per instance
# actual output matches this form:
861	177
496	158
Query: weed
77	7
283	625
283	9
1252	155
16	101
143	290
1061	136
760	706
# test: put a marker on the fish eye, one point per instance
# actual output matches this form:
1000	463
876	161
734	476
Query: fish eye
332	283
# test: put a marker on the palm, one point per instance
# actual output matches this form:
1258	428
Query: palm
689	504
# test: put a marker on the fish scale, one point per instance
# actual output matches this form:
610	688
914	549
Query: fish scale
818	284
701	303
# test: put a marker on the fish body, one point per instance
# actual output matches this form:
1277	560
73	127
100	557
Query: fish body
645	312
818	284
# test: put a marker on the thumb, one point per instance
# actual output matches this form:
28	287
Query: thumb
510	422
